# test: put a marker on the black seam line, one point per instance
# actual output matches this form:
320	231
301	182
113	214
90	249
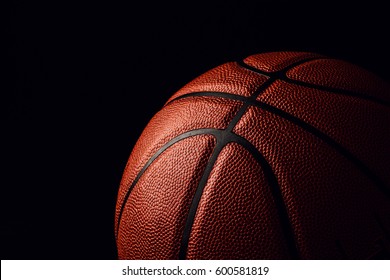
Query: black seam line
223	138
338	91
276	192
173	141
281	75
195	200
306	126
221	142
218	148
245	106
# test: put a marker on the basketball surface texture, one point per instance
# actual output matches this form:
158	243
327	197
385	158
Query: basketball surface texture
283	155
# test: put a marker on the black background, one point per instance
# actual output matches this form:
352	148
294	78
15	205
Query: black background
83	79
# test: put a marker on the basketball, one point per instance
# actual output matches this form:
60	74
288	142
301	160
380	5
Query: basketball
283	155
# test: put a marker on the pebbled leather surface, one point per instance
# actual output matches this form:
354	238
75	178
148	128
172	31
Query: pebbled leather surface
335	210
340	75
276	61
174	119
154	217
229	77
327	197
351	121
236	217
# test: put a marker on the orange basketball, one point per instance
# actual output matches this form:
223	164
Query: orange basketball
283	155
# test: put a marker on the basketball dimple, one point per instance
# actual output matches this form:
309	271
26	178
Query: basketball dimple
281	155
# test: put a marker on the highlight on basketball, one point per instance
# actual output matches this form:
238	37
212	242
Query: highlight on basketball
283	155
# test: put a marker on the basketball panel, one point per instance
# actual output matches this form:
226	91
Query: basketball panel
276	61
329	201
350	121
229	77
237	216
316	140
171	121
342	75
154	215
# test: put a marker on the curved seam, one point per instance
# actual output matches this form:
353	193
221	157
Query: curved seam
173	141
277	194
302	61
338	91
196	199
224	138
309	128
281	75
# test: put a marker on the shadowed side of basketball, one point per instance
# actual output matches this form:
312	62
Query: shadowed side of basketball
282	155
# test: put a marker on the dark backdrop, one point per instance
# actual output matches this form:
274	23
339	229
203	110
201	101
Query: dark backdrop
82	81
